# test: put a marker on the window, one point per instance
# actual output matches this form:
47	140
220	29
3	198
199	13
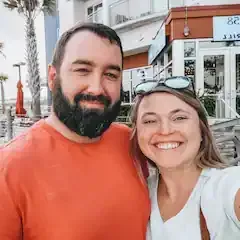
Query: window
169	54
97	7
190	59
94	13
189	69
90	11
189	49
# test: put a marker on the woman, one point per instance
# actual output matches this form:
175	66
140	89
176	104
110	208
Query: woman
194	196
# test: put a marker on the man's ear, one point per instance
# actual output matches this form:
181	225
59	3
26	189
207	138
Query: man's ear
52	73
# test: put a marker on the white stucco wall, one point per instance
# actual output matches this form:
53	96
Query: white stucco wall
66	16
70	12
134	39
138	38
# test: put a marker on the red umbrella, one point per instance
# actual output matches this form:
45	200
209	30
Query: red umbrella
19	104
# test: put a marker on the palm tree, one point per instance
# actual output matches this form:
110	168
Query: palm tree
3	78
30	9
1	49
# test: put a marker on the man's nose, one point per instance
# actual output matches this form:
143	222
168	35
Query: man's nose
95	86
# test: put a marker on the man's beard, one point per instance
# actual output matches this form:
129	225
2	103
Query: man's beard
86	122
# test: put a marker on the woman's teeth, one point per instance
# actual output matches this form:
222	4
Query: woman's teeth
168	145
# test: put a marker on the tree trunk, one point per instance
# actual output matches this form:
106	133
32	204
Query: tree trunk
3	97
33	67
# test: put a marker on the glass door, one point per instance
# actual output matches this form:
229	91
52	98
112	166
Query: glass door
235	80
213	81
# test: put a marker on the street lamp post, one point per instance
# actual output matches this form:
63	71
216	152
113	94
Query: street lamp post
18	65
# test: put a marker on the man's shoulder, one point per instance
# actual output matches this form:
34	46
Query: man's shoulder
120	128
24	145
118	136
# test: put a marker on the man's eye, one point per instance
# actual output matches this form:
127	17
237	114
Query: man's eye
149	121
111	75
82	70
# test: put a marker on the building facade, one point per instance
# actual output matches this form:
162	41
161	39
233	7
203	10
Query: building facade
203	42
51	27
170	37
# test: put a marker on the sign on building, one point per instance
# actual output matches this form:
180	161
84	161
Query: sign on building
226	28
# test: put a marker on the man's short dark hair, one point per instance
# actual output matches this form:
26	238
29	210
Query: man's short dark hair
96	28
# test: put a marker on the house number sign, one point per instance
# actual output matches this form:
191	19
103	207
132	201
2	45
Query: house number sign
226	28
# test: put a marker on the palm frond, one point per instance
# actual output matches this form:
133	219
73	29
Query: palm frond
3	77
1	52
1	48
10	4
31	5
20	10
49	6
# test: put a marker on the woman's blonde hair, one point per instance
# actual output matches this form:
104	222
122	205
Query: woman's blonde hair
208	155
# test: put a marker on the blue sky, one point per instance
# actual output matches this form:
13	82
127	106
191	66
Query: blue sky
12	33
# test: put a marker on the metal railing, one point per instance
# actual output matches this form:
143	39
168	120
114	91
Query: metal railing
12	125
131	78
122	11
218	107
125	10
227	138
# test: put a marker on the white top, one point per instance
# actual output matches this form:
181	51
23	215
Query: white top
215	191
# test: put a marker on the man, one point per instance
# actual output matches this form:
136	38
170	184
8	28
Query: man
70	176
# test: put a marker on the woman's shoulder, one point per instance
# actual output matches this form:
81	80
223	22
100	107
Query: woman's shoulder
216	180
220	185
217	195
213	181
213	175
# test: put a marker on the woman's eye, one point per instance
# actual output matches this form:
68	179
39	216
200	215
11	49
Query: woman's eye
180	118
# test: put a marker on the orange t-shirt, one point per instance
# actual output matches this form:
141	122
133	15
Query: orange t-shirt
55	189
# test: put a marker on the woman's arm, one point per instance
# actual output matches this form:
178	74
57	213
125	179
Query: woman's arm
237	204
222	189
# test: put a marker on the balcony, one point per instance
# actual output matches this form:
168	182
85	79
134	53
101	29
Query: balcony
96	16
126	10
131	78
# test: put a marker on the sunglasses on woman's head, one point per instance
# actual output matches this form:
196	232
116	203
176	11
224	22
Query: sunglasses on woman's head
177	83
